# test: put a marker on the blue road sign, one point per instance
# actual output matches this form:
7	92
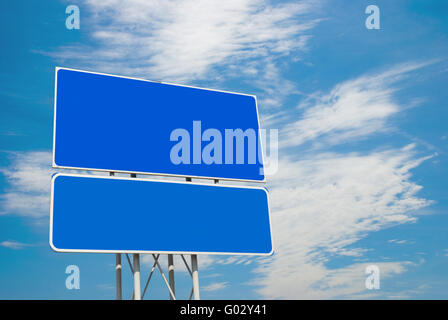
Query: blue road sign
110	214
112	123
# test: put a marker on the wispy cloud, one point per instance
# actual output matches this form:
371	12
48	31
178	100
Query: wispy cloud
325	203
185	40
273	87
349	282
106	287
396	241
353	109
29	177
215	286
12	244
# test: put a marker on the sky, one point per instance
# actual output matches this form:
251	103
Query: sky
363	139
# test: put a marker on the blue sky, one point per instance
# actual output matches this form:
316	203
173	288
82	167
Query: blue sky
362	133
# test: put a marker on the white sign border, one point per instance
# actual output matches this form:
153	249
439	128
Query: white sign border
54	165
154	252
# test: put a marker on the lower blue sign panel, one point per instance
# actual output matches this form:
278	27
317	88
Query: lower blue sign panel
102	214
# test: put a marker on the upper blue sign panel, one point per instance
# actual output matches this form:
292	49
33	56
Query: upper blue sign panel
112	123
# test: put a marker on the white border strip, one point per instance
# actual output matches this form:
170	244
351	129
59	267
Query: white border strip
161	252
153	173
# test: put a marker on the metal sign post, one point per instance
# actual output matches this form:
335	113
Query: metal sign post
136	264
195	276
171	274
118	276
194	268
118	268
137	290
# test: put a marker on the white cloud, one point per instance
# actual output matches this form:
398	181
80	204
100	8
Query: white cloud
29	178
322	205
349	282
215	286
274	88
396	241
187	39
327	201
246	260
353	109
12	244
104	286
323	202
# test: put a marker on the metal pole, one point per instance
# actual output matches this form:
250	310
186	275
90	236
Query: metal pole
118	275
164	278
171	274
195	276
137	291
150	275
136	263
119	295
194	269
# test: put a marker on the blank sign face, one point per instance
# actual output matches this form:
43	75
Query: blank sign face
102	214
113	123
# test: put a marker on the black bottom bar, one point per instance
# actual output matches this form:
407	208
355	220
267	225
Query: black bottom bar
232	309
